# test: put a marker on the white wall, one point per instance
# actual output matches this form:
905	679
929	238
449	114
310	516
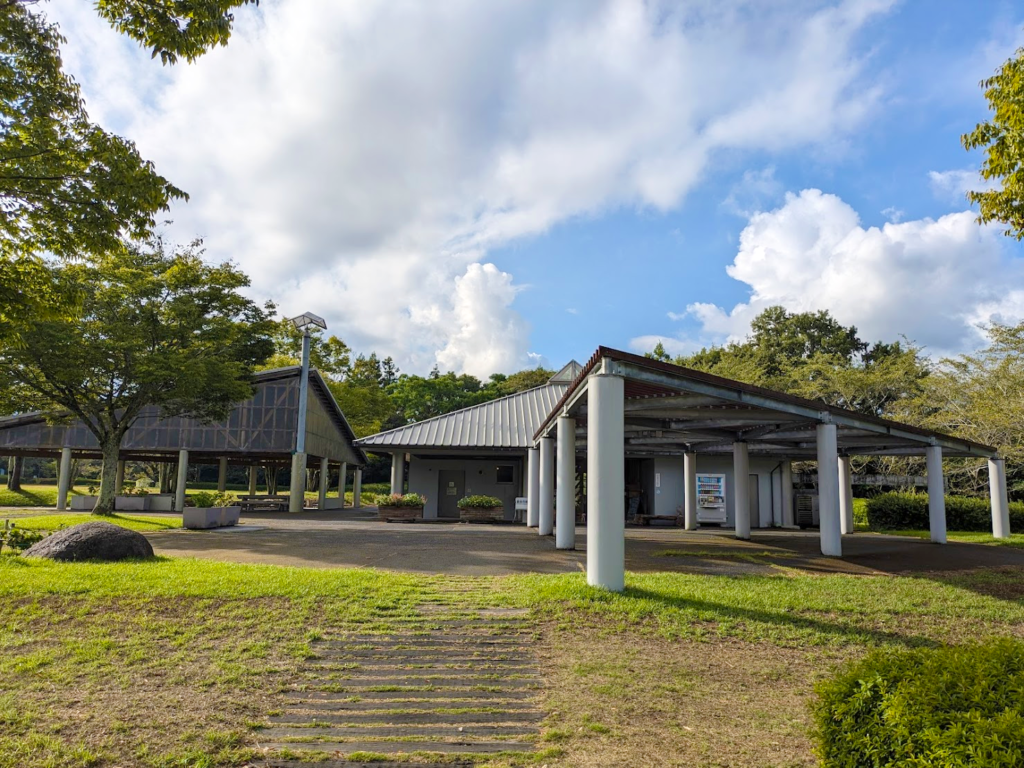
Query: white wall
480	479
672	479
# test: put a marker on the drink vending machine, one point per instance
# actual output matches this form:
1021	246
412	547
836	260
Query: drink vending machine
711	499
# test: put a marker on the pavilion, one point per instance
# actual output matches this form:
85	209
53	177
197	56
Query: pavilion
260	431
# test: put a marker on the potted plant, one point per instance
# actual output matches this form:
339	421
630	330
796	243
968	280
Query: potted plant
133	499
398	507
211	510
85	503
481	509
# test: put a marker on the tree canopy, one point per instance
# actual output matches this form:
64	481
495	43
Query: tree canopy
812	355
1002	139
148	328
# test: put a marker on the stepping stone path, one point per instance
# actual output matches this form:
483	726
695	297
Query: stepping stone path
449	681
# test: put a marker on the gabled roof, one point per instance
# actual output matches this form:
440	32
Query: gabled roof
506	423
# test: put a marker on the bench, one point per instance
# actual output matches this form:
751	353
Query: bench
645	520
263	503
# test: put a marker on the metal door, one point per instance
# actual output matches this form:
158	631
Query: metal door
451	486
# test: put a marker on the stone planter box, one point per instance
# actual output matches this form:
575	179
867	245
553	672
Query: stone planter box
161	502
388	514
83	503
198	518
131	503
481	514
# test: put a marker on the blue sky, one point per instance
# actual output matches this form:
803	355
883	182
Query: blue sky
485	186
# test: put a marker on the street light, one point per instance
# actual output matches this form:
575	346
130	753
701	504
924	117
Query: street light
304	323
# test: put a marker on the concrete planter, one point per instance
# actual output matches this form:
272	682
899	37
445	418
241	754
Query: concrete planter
83	503
481	514
161	502
131	503
399	513
198	518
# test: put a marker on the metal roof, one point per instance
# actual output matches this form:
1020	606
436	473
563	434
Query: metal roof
509	422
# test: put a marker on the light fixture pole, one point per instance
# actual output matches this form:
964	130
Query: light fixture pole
297	491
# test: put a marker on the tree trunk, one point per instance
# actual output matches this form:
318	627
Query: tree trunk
270	473
164	477
14	473
109	448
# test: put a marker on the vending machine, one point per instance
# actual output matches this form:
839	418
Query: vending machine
711	499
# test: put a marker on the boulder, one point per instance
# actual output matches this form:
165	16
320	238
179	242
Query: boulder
92	541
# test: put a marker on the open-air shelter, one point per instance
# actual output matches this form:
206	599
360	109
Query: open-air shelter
260	431
623	405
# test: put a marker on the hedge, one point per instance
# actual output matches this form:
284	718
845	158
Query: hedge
901	511
479	502
948	707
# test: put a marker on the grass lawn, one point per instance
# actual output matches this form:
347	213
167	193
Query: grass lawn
136	522
178	662
1015	540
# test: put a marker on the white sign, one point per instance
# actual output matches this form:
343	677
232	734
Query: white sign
521	503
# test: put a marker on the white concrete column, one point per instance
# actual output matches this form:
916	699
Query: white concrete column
397	473
741	489
297	486
179	487
533	488
606	483
565	507
546	508
936	494
325	481
845	495
787	494
342	477
828	491
1000	501
119	479
63	478
357	488
253	472
690	490
222	474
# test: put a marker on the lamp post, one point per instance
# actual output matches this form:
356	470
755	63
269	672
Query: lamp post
296	492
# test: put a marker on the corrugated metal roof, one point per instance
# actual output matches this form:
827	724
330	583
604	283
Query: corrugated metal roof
509	422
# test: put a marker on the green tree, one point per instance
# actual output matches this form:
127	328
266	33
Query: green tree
981	397
500	385
812	355
151	328
68	187
1002	139
659	353
418	397
328	354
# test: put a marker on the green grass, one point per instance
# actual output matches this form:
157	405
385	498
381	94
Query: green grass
182	658
134	522
1015	540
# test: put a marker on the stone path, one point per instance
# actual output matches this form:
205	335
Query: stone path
448	681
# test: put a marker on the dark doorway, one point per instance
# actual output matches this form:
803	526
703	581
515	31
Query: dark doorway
755	503
451	486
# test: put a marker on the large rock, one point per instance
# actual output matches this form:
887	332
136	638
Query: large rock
92	541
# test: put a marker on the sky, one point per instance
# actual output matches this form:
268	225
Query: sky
488	186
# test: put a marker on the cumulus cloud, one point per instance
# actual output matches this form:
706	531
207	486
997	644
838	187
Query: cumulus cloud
359	159
935	281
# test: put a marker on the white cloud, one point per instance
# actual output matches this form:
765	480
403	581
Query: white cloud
935	281
674	346
753	192
953	186
359	159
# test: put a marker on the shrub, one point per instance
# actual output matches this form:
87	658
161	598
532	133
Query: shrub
947	707
211	499
890	511
480	502
398	500
17	539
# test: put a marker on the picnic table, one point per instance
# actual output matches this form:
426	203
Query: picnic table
276	503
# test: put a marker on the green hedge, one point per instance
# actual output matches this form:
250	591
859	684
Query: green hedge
900	511
949	707
479	502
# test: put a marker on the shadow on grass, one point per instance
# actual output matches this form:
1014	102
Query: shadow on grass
853	634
